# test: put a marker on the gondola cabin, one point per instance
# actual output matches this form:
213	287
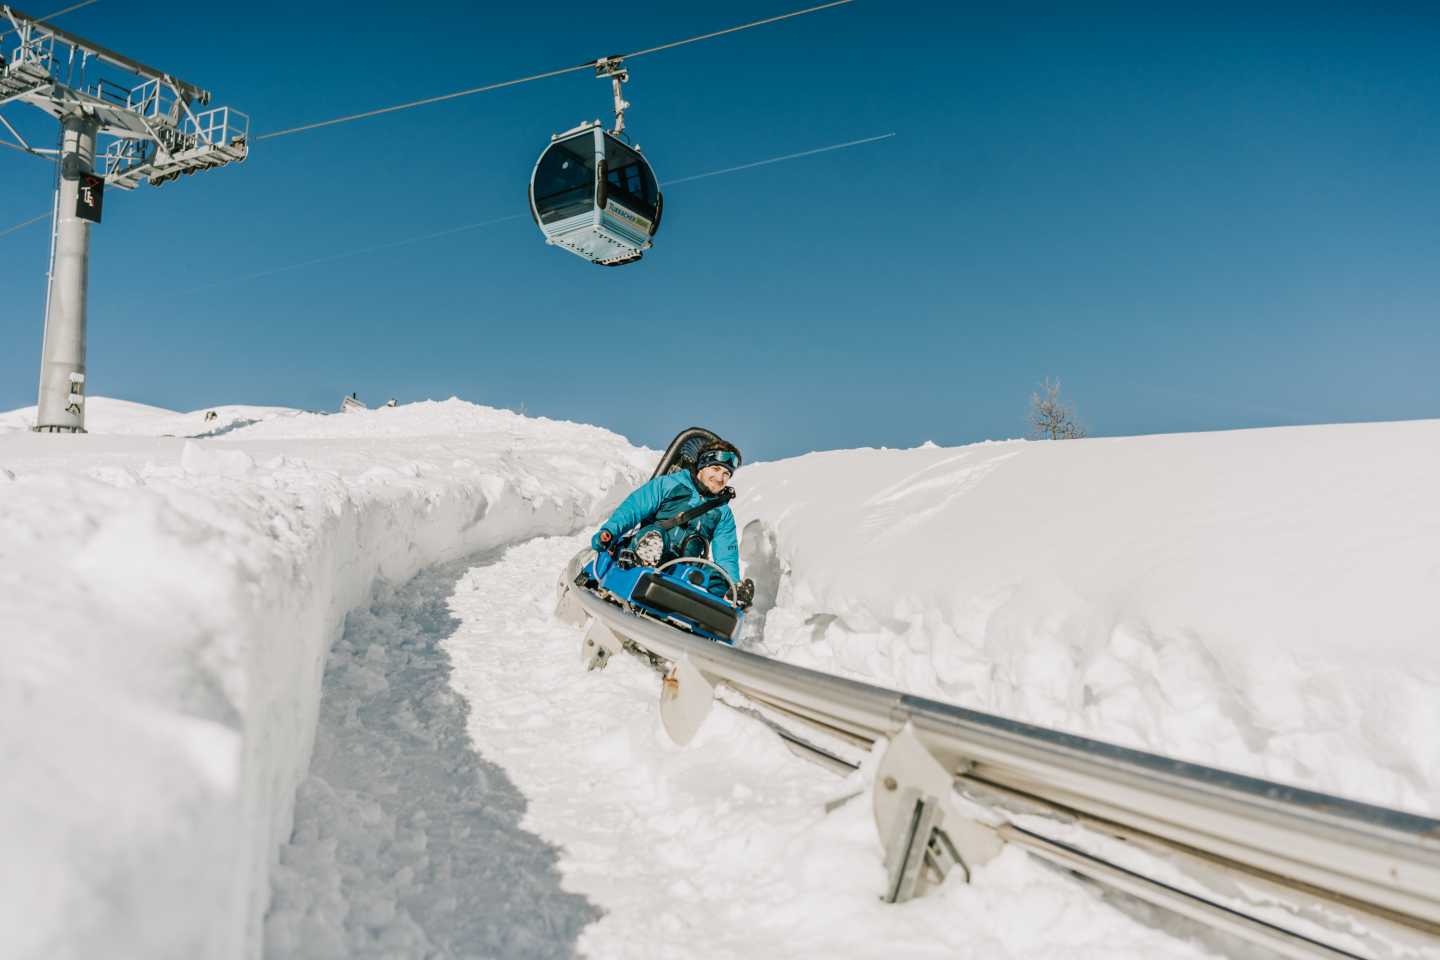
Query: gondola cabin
595	196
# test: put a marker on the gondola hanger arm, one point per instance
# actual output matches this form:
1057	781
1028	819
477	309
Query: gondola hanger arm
613	69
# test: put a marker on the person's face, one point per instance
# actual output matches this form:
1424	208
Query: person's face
714	477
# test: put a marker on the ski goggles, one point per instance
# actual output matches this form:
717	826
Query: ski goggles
718	458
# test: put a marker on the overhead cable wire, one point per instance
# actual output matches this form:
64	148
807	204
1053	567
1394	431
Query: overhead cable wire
70	9
434	235
25	223
21	148
788	156
421	103
588	65
52	16
736	29
780	159
783	158
16	146
539	76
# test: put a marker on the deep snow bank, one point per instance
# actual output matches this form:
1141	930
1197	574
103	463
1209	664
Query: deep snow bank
1261	600
165	608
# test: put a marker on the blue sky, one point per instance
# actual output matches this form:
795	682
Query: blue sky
1197	220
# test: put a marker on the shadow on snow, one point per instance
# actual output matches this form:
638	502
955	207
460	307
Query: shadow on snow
406	840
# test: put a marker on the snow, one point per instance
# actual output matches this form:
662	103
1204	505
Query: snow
174	592
125	418
167	607
406	841
567	821
1259	600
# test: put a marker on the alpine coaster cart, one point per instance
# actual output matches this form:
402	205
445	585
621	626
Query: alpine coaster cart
689	593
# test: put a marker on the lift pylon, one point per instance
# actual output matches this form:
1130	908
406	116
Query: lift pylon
113	132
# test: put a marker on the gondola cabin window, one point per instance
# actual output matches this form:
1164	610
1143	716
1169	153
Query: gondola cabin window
565	181
628	179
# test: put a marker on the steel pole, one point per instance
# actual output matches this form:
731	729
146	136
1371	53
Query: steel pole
62	361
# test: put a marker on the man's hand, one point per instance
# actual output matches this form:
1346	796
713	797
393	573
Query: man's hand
745	594
602	541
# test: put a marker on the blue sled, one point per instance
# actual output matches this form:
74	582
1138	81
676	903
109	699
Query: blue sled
675	595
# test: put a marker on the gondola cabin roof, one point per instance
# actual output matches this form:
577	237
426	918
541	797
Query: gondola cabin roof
596	196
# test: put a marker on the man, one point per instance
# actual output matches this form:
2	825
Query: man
682	514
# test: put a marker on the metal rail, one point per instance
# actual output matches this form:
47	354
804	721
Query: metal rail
1370	874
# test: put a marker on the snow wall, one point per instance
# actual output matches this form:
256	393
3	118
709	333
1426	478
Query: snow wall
166	605
1259	600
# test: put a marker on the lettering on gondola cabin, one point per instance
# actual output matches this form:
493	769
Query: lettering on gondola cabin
615	210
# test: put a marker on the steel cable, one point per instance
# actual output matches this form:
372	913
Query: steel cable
516	216
515	82
588	65
495	221
781	159
25	223
52	16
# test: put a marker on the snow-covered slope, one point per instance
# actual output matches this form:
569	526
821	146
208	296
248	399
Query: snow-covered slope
165	609
105	415
1261	600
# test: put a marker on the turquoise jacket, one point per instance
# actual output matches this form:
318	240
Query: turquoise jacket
664	497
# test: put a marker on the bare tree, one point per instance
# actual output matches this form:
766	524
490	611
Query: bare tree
1051	417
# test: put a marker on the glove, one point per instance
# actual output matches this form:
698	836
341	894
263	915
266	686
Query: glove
602	541
745	594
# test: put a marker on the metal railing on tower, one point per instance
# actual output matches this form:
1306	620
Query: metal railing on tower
121	122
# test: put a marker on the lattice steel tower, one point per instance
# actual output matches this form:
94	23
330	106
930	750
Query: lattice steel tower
151	131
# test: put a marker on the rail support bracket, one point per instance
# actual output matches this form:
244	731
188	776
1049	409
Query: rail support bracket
686	696
599	646
567	604
924	833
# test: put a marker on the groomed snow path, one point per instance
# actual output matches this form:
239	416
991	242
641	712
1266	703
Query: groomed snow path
466	762
406	842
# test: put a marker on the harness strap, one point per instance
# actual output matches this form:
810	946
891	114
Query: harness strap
699	510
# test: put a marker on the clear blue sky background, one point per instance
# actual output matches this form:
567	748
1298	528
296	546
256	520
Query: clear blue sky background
1197	220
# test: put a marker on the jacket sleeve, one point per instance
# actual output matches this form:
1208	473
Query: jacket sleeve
634	510
724	548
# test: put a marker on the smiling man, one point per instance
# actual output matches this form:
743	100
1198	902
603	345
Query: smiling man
682	514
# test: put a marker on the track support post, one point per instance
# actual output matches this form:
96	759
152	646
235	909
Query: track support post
567	604
599	646
686	696
925	834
